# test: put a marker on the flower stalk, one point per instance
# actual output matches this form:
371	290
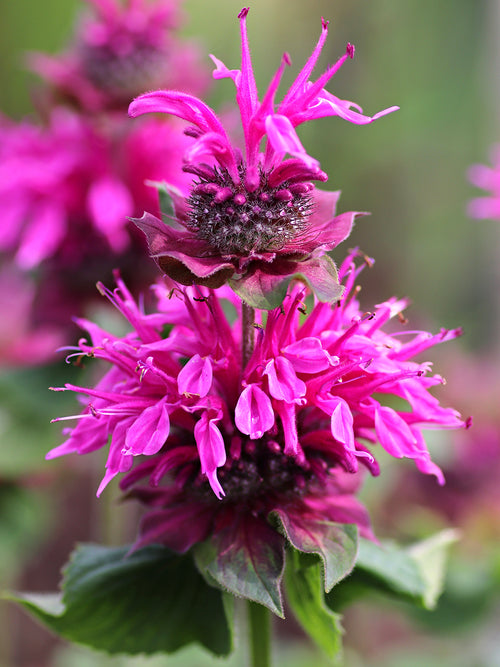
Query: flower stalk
259	635
247	332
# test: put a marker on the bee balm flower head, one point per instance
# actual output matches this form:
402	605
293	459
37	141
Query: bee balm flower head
224	440
254	217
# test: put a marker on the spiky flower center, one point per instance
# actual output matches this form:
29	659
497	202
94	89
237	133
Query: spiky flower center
236	221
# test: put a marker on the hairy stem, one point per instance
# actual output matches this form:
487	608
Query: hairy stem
259	632
247	332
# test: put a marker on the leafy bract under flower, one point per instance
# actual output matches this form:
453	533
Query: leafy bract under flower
222	442
255	220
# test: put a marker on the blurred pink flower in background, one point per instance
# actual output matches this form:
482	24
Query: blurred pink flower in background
486	178
70	179
123	49
23	342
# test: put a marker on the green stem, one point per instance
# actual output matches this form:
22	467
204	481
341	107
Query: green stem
247	332
259	632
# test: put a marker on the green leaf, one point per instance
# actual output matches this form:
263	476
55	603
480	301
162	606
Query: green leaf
247	559
146	602
335	543
304	590
320	273
261	290
165	192
430	556
414	573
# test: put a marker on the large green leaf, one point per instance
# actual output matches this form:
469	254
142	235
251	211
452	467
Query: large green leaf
414	573
304	591
335	543
146	602
247	559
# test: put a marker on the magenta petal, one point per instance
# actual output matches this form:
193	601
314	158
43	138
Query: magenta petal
307	355
284	385
342	423
211	450
284	139
195	379
395	435
254	412
42	236
148	433
178	104
110	203
178	527
287	413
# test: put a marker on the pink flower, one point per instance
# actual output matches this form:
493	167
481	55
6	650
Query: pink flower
23	341
254	219
124	48
286	432
68	189
486	178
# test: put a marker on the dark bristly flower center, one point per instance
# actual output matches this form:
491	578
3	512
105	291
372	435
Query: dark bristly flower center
255	470
235	221
123	74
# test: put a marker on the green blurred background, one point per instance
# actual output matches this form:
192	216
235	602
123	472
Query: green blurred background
439	61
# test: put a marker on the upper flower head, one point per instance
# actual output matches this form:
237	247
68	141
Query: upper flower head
121	49
487	178
254	218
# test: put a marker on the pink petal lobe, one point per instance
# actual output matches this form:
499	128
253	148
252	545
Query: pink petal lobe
195	379
148	433
254	413
284	385
284	139
110	203
395	435
308	356
211	450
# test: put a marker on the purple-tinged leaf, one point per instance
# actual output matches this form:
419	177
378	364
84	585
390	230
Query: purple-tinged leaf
336	544
246	558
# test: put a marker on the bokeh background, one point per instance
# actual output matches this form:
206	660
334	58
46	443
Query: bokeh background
440	62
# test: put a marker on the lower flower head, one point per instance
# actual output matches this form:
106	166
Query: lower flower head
288	428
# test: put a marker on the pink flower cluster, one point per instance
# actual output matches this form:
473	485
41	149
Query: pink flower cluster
254	219
70	181
306	408
124	48
68	189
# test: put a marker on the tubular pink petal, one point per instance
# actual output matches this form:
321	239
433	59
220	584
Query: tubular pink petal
254	413
195	379
301	80
284	139
342	423
148	433
284	385
211	450
395	435
307	355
